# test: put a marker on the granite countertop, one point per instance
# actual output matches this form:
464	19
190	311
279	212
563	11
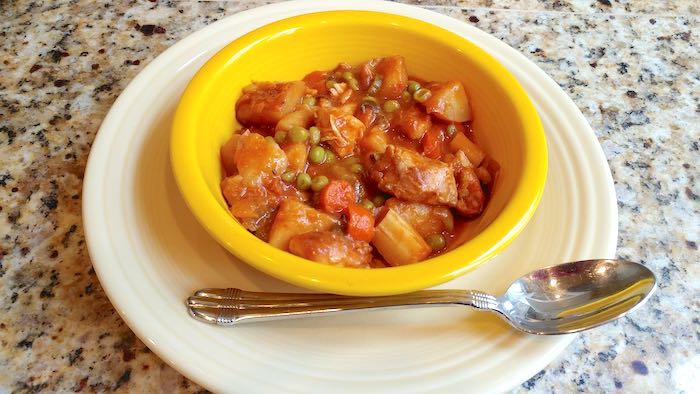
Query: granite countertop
632	67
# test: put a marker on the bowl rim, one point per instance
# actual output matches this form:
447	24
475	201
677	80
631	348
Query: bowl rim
351	281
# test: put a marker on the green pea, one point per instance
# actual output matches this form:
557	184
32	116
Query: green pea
354	85
298	134
375	85
422	94
391	106
330	83
317	155
288	176
378	200
309	100
413	86
330	156
280	136
318	183
348	76
303	181
357	168
436	241
315	135
451	130
367	204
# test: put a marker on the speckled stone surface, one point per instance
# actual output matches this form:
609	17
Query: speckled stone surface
632	67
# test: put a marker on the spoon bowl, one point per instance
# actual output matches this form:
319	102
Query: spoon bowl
560	299
576	296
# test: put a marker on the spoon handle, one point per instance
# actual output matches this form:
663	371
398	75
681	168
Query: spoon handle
228	307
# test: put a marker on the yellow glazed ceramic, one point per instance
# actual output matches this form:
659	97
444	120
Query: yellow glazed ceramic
505	124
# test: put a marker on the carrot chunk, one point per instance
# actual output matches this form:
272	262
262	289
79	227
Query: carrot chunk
360	223
337	196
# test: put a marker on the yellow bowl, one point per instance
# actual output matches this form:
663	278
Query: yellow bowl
505	124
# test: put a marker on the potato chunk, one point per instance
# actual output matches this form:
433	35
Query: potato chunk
331	248
228	155
265	103
413	177
460	142
375	141
294	218
303	117
250	204
448	102
394	77
425	219
258	157
412	122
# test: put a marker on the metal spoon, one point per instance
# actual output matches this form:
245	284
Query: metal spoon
559	299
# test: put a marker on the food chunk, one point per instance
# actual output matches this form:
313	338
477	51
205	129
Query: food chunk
472	150
331	248
471	197
398	242
294	218
340	130
357	166
297	153
360	223
394	77
303	117
258	157
375	141
337	196
425	219
412	122
228	155
413	177
265	103
250	204
448	102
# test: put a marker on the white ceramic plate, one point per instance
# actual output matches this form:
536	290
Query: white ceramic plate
150	253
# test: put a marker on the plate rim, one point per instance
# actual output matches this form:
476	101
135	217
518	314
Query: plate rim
121	105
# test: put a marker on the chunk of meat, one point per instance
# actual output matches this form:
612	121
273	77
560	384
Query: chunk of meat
425	219
340	130
448	102
331	248
294	218
303	117
413	177
394	77
265	103
250	204
471	196
258	157
412	121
